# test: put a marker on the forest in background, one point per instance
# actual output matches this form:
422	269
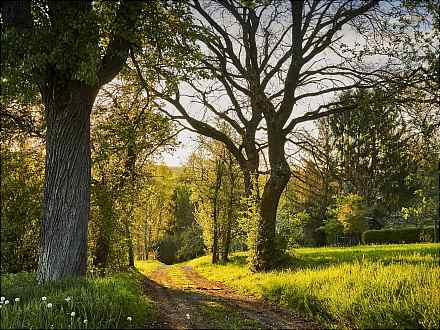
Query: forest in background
367	169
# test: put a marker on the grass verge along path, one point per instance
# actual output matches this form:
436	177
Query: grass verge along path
380	286
110	302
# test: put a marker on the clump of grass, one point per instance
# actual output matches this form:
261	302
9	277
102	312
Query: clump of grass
115	301
392	286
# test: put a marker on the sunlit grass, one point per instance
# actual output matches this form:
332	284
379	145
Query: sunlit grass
147	266
381	286
91	303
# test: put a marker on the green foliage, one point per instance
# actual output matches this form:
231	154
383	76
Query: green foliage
399	235
350	212
104	302
181	208
190	244
125	143
21	191
290	229
248	219
166	250
333	230
371	149
391	286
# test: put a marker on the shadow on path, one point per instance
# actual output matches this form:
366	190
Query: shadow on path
204	304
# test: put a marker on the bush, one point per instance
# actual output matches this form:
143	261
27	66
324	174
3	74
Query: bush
333	229
402	235
290	229
191	244
350	211
21	186
166	250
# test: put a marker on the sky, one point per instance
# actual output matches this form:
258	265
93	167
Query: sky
187	139
181	154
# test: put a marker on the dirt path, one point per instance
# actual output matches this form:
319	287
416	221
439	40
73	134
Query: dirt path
186	300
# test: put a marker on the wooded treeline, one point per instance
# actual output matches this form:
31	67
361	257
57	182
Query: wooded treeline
93	92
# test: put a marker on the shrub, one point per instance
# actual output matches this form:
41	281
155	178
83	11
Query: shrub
401	235
350	211
166	250
191	244
21	186
333	229
290	229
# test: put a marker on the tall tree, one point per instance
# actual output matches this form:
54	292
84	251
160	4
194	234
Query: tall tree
123	145
265	61
67	50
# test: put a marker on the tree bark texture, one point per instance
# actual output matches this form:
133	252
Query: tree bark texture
265	251
63	250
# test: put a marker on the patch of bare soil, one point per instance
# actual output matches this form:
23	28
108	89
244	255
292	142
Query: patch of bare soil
206	304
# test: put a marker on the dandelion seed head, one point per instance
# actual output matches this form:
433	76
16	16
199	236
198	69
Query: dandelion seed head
72	314
49	305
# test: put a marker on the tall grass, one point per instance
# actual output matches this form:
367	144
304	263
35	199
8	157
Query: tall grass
115	301
392	286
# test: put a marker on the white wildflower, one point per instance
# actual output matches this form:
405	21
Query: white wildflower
43	298
49	305
85	321
68	299
129	318
6	302
72	314
2	299
17	299
187	316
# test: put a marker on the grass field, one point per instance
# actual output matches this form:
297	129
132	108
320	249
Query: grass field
115	301
376	286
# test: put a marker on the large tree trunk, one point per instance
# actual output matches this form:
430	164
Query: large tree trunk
265	250
67	181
